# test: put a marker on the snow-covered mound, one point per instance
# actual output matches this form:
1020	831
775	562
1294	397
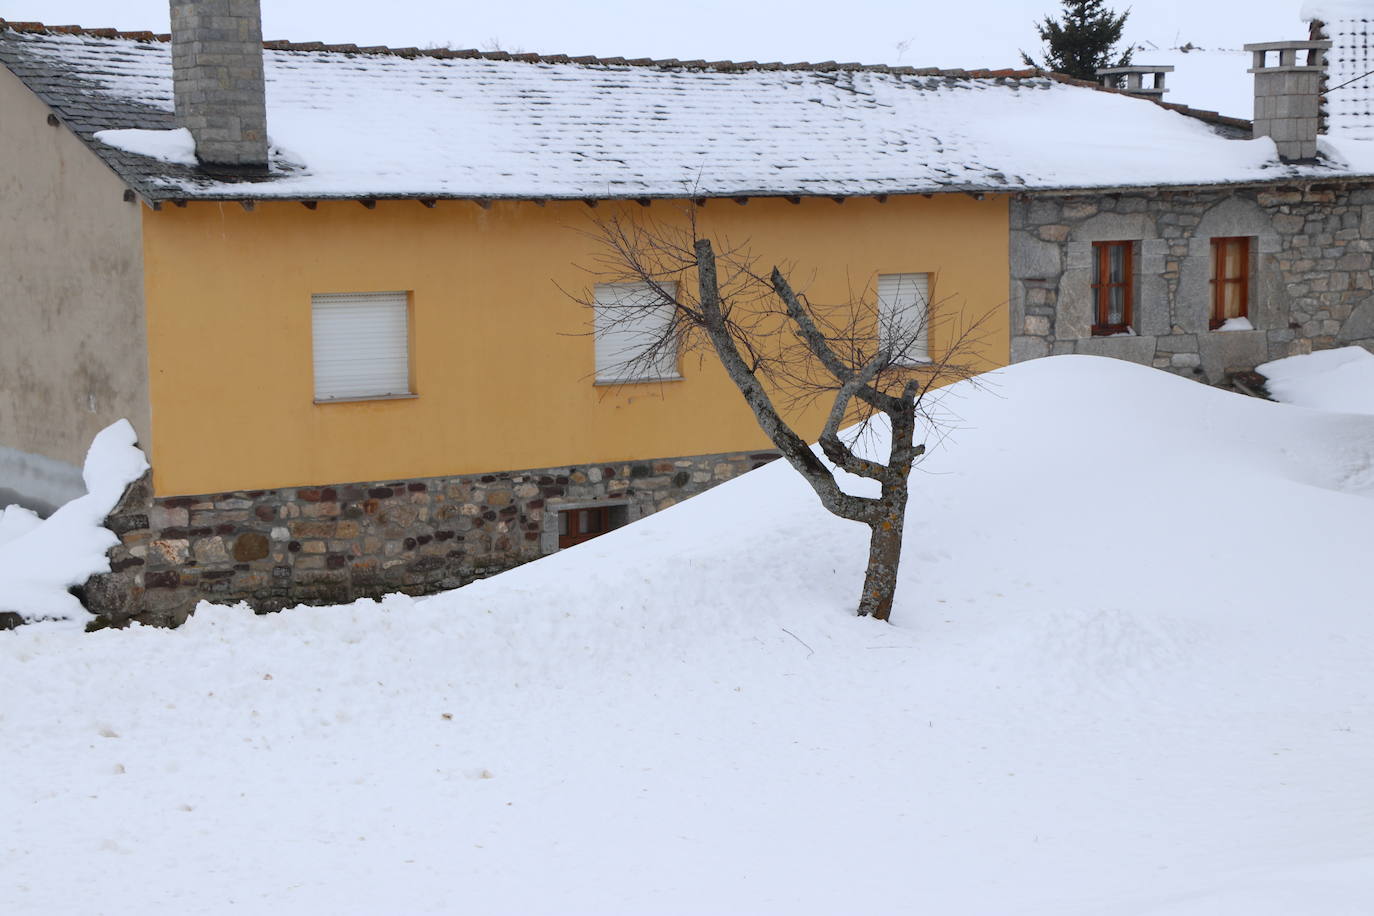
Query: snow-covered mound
40	561
16	521
1128	673
1326	380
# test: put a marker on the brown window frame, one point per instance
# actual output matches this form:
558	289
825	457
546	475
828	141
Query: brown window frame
583	524
1218	282
1102	288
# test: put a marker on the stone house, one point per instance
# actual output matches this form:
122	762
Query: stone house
329	284
1208	281
1302	271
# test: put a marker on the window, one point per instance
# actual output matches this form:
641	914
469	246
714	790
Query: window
1230	280
361	345
578	525
903	313
634	332
1113	279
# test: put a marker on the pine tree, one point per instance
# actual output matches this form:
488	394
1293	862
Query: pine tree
1083	41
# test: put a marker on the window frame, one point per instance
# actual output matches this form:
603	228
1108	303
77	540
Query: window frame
1102	288
665	368
569	528
908	360
321	301
1217	282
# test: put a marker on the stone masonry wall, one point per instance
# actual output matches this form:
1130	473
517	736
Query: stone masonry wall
332	544
1311	283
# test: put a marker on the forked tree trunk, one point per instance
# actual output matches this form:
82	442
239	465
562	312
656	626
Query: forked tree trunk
884	557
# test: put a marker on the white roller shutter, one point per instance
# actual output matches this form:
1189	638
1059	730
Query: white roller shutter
361	344
631	319
903	315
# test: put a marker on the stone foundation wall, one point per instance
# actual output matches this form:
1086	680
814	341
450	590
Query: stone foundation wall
333	544
1311	284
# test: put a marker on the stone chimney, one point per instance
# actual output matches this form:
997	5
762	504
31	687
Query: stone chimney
218	81
1288	95
1133	80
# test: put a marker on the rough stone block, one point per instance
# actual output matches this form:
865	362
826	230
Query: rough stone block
1024	348
163	516
1032	257
211	551
172	552
1229	351
1134	348
250	546
1360	325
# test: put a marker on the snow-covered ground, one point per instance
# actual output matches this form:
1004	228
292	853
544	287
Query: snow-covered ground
1326	380
1128	673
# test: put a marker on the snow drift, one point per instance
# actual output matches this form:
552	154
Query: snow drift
1340	379
40	560
1127	674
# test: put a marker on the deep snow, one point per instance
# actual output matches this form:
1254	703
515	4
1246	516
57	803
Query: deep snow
1341	379
1128	673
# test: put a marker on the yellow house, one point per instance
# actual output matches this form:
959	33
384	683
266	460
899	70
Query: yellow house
353	354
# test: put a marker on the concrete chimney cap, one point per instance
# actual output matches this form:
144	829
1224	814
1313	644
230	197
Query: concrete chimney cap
1288	56
1135	68
1287	46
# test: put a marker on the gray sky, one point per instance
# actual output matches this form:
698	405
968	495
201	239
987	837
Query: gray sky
971	33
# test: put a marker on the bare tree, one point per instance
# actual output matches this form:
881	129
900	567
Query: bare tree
779	348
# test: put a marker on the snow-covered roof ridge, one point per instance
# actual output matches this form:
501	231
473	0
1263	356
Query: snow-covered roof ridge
375	122
537	58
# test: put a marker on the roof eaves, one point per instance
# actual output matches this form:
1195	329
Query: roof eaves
1279	181
181	194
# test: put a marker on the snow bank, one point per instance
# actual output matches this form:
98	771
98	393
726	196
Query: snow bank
15	521
1127	675
1326	380
38	566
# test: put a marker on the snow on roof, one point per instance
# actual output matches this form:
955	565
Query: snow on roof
1210	78
380	123
1349	87
1329	10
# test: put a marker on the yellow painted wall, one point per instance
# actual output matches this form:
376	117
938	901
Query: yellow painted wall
502	359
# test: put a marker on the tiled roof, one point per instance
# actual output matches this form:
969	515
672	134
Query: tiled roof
382	122
1349	97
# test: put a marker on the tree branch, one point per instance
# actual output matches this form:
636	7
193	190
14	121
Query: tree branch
830	442
792	446
820	347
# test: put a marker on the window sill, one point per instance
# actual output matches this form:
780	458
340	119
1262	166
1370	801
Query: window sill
366	397
614	382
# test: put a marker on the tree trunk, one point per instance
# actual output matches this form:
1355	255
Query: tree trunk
884	557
